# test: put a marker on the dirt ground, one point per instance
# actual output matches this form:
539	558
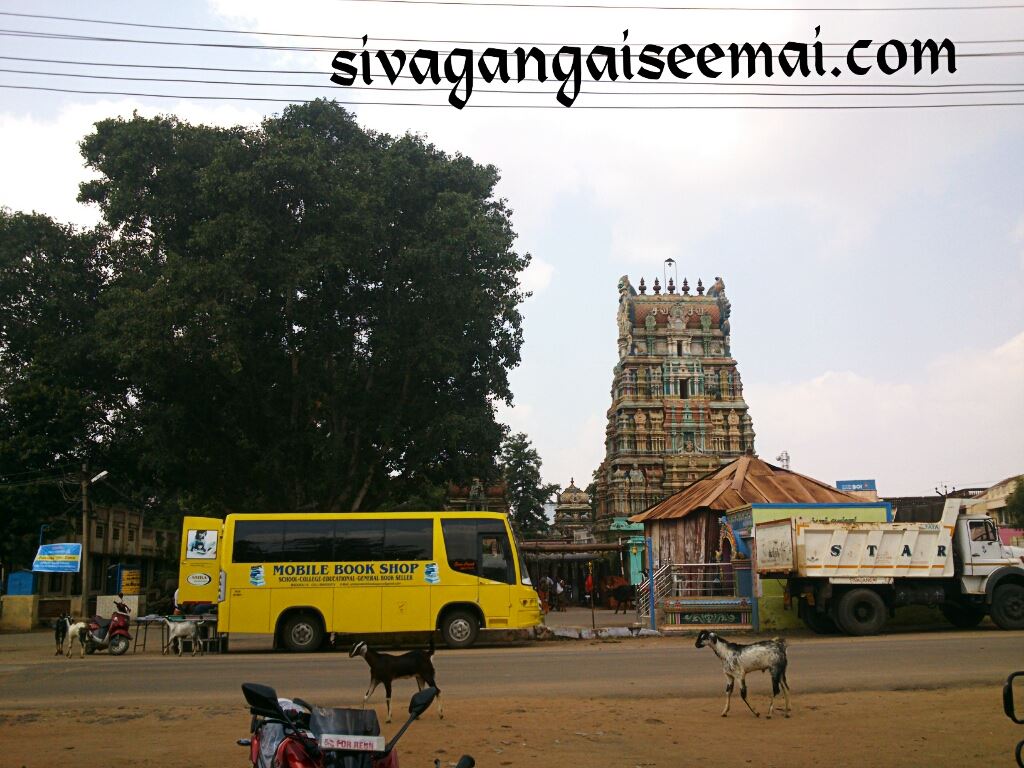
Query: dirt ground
951	727
929	699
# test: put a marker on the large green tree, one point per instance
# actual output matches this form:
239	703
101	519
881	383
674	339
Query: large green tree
58	399
1014	514
526	493
302	315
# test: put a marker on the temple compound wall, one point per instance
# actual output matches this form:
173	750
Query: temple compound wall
677	410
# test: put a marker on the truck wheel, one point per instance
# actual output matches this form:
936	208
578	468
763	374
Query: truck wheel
302	633
119	645
816	621
963	615
459	629
1008	606
861	612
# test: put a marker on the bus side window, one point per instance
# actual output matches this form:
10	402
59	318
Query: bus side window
258	541
495	563
460	544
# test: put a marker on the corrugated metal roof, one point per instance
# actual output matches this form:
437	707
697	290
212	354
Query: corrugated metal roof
747	480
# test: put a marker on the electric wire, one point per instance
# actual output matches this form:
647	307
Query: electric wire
510	90
225	31
528	79
756	107
721	8
32	34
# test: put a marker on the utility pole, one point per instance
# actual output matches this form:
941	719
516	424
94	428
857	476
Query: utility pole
85	540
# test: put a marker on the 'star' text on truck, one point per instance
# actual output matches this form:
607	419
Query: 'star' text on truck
853	576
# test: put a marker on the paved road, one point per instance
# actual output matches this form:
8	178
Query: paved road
631	668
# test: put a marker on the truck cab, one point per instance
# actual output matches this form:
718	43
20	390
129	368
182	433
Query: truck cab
979	552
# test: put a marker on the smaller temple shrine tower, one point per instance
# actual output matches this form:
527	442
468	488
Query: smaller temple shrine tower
677	408
573	515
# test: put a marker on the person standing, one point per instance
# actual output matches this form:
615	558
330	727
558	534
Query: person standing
544	593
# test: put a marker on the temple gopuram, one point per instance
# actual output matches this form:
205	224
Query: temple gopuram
677	408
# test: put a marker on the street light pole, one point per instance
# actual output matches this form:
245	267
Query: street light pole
85	540
593	586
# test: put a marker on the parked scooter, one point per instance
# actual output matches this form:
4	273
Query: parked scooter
111	633
293	734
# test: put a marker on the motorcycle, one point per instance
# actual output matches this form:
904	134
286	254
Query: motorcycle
111	633
1011	712
289	733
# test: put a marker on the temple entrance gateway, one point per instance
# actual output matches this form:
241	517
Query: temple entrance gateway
572	562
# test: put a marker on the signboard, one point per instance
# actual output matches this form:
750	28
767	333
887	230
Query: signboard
131	581
856	485
850	512
347	574
58	558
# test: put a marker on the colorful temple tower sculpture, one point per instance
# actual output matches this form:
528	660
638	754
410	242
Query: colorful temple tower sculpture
677	408
573	515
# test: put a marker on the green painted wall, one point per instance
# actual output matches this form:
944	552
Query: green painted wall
772	614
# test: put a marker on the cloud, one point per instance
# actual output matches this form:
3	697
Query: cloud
1017	237
537	276
960	422
665	182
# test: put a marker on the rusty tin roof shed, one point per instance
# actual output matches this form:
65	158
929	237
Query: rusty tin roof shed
746	480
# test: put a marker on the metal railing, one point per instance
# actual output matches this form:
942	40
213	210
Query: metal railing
687	581
643	592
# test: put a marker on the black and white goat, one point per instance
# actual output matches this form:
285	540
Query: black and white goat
385	668
60	631
738	660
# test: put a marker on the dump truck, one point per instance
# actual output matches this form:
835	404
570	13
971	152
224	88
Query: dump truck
851	577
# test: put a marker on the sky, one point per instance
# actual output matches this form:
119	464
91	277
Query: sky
874	258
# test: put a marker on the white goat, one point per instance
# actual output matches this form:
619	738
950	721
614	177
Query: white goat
182	630
77	631
738	660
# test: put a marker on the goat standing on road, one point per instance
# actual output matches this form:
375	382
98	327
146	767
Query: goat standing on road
738	660
60	631
178	631
385	668
80	631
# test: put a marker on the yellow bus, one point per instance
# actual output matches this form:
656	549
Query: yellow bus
299	576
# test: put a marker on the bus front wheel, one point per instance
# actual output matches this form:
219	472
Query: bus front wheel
459	629
302	633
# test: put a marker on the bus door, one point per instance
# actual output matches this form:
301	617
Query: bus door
497	572
199	576
409	546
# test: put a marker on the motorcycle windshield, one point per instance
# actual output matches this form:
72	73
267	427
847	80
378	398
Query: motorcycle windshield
271	735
